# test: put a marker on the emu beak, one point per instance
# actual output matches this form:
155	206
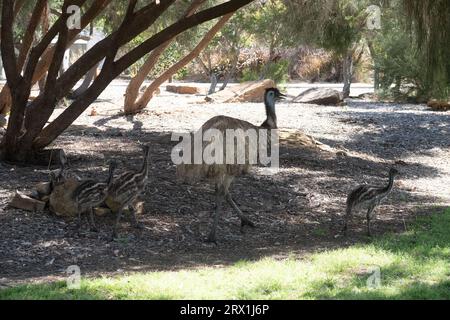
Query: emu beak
281	96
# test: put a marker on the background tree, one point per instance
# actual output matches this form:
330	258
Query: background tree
336	25
28	132
132	102
430	21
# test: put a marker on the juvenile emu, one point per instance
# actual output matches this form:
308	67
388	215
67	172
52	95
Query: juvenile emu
126	188
91	193
367	197
222	175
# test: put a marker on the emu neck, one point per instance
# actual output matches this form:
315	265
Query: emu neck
388	188
110	176
271	117
144	169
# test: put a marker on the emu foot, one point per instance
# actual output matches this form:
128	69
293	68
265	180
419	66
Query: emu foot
137	225
344	231
246	222
211	239
113	235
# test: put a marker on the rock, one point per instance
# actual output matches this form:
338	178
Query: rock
439	105
252	91
322	96
61	202
367	96
24	202
296	138
182	89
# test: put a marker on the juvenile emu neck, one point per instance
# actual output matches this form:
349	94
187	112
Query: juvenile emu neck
144	169
112	167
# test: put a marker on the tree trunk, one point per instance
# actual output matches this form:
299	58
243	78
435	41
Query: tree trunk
132	91
232	71
28	132
347	70
90	76
148	94
37	15
376	71
46	59
212	87
17	7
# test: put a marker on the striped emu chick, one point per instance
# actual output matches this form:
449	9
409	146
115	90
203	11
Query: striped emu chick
367	197
222	175
126	188
90	194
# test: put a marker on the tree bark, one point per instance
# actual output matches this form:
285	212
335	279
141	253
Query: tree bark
213	80
17	7
35	137
233	69
5	94
148	94
90	76
132	91
45	61
347	69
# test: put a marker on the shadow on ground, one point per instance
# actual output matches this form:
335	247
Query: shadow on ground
297	211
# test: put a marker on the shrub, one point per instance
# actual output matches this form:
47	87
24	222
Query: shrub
277	71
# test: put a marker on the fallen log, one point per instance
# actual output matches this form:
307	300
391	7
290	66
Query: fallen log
182	89
24	202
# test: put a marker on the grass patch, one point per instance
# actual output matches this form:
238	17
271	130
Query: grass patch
413	265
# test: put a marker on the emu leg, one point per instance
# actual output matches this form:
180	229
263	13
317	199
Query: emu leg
134	222
348	216
79	221
244	220
212	233
91	220
116	224
369	213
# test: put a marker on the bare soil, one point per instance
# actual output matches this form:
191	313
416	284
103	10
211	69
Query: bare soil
297	211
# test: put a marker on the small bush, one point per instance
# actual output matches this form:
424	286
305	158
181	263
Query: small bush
277	71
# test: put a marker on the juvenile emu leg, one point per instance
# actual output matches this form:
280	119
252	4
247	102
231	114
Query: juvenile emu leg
134	222
79	220
91	220
348	216
116	224
369	213
244	220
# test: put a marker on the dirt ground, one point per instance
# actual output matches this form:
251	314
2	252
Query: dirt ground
297	211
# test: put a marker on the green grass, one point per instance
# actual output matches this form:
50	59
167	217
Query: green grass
414	265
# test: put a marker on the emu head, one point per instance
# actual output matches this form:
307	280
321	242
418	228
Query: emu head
393	172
